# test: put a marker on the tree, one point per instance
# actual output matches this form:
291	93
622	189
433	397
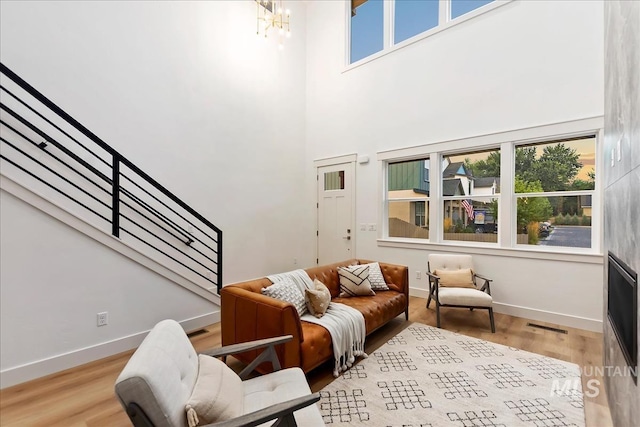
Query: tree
557	167
526	163
531	209
485	168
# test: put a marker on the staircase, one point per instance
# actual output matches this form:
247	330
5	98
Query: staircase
47	152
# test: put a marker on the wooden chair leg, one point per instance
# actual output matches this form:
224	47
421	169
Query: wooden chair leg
429	300
493	324
437	314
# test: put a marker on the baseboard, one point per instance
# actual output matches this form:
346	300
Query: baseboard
578	322
41	368
534	314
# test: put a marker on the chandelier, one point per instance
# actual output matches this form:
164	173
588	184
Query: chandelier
273	16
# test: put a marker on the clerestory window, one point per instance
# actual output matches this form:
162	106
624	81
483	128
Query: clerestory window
371	20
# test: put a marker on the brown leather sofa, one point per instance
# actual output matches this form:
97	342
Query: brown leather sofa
248	315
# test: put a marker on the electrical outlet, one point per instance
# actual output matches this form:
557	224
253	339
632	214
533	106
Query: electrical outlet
363	227
295	261
372	227
103	318
418	275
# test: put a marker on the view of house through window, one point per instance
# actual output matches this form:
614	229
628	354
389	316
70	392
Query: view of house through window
408	199
554	185
470	186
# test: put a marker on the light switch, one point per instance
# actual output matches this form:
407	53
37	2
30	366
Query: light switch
363	227
372	227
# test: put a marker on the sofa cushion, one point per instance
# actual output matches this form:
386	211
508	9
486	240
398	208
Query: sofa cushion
354	281
462	278
465	297
378	309
376	278
317	299
287	292
209	402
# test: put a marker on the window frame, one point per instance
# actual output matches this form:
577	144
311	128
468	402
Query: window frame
507	198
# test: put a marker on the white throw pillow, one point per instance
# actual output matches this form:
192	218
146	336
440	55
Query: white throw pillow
376	278
287	292
354	281
209	401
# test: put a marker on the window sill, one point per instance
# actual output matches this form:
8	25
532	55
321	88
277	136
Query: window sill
560	254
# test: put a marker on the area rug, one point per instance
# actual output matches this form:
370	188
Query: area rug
426	376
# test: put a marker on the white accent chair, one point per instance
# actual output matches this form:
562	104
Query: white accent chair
158	380
477	297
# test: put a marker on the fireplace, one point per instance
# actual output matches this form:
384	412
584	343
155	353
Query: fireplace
622	309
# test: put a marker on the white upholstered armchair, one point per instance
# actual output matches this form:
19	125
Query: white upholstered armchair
166	383
453	282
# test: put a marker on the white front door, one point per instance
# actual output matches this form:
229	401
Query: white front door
336	214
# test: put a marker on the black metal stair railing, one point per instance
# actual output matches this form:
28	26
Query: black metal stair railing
50	148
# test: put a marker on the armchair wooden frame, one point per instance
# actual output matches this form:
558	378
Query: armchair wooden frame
282	412
433	294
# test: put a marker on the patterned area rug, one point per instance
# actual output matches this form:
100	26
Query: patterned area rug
426	376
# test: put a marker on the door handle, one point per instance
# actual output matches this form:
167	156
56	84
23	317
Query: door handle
347	237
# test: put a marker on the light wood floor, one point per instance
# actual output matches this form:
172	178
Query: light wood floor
83	396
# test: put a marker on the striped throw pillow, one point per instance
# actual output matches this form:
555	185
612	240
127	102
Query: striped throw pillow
354	281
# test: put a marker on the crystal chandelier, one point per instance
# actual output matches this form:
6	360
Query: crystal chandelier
273	16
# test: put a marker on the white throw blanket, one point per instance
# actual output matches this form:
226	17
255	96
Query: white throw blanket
347	329
345	324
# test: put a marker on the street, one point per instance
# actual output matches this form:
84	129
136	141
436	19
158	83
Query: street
569	236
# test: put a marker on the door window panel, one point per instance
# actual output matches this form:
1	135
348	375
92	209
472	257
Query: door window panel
334	180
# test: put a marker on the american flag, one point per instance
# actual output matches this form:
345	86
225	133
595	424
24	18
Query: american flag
467	207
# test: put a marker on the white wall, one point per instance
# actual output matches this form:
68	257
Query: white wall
522	65
190	94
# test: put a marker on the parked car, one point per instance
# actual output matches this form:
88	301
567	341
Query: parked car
544	229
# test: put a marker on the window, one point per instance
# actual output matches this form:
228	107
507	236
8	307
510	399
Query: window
408	199
554	186
367	24
470	183
541	195
370	20
460	7
334	180
412	17
419	214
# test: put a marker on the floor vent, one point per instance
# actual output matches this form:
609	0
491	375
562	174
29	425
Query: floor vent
196	333
548	328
